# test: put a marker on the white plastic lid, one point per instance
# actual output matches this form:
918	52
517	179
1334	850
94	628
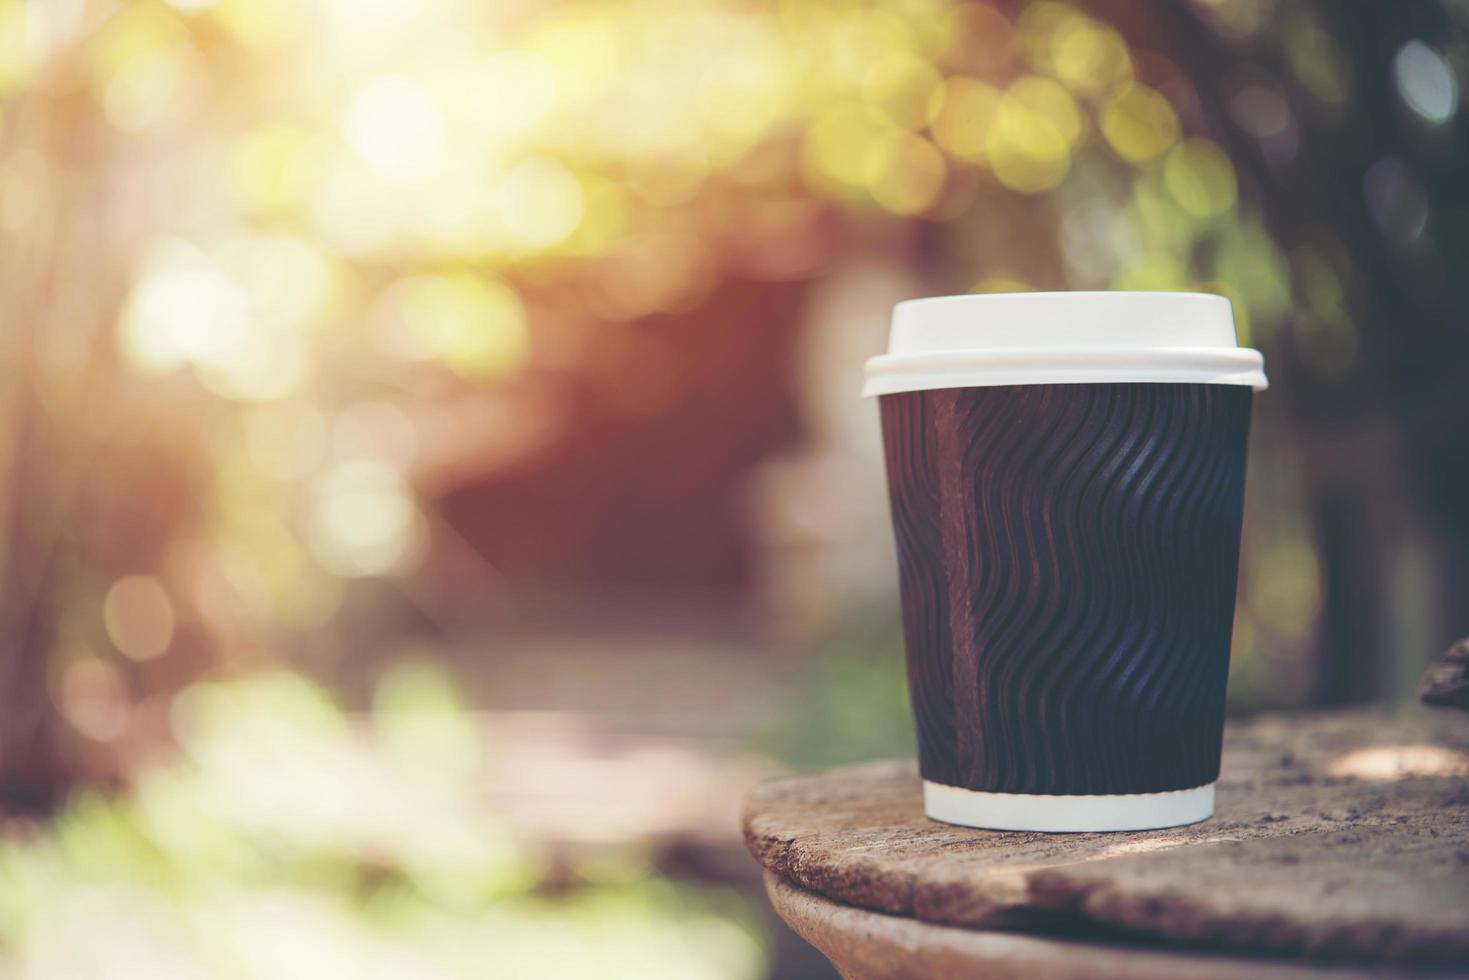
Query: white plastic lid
1062	338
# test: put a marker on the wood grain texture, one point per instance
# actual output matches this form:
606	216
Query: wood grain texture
1337	835
1067	558
866	945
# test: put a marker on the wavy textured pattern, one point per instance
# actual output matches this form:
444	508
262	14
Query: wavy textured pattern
1067	558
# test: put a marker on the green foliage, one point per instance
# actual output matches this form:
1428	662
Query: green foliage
292	839
851	704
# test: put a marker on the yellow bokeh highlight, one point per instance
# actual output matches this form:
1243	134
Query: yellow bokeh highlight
260	24
152	85
188	310
1090	58
906	173
137	29
740	96
1049	99
539	203
271	170
476	327
1200	178
859	39
966	112
838	144
509	92
1038	27
16	63
605	216
355	214
287	278
1139	123
901	86
1035	126
144	68
582	50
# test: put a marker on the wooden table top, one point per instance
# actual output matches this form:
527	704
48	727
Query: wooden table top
1338	836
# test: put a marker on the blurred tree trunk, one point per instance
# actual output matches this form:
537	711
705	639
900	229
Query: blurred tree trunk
1384	449
31	771
53	339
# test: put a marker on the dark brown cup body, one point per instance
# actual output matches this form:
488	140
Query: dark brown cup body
1067	556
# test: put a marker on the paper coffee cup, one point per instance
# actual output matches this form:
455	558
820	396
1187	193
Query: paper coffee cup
1066	476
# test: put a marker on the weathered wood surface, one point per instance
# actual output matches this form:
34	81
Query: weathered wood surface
1446	682
867	945
1337	835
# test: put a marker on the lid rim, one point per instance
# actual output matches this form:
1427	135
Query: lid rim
1090	353
895	373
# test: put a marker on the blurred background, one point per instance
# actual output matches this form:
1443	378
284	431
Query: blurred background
432	479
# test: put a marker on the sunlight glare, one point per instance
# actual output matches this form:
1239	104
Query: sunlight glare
363	520
1389	763
476	327
397	126
512	91
539	202
184	309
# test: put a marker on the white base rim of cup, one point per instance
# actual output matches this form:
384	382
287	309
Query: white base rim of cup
1067	814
